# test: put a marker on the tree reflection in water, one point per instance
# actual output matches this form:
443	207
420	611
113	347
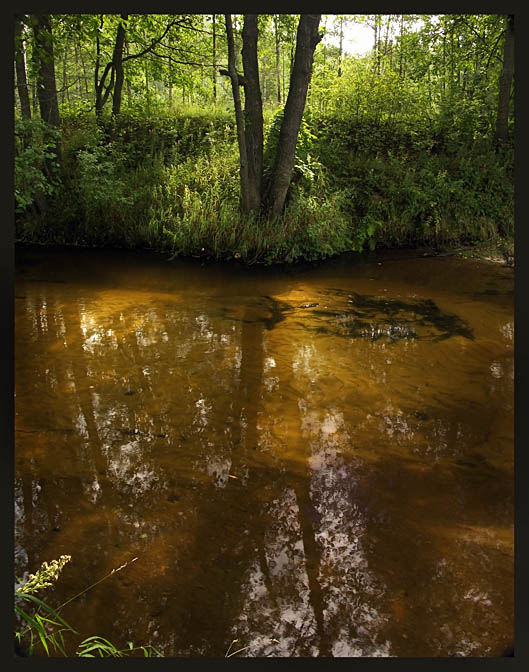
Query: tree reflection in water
282	486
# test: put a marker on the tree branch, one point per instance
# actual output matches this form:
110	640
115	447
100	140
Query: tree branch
156	41
240	78
109	87
173	60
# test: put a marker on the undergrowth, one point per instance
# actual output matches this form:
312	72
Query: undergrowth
171	183
41	628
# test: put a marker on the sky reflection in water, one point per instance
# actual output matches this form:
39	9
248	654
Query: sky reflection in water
314	465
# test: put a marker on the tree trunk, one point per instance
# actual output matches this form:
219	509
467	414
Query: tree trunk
253	112
129	92
34	101
85	76
46	87
306	42
101	93
64	93
20	66
506	77
278	76
117	64
47	93
147	90
388	23
401	49
263	68
239	119
376	45
283	73
77	75
214	60
340	55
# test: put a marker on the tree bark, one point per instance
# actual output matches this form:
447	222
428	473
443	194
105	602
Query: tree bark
376	45
46	87
239	119
99	84
214	60
278	77
46	93
64	93
77	75
340	56
20	66
506	77
117	64
253	112
306	42
388	23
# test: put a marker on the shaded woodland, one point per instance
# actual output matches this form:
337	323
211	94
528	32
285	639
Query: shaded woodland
259	137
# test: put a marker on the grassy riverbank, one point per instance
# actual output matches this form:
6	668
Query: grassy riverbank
170	182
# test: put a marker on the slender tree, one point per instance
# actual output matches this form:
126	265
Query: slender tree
340	56
250	124
278	76
20	68
236	81
253	111
117	64
307	39
214	16
101	91
506	77
45	67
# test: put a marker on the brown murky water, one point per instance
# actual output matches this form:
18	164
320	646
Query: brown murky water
313	461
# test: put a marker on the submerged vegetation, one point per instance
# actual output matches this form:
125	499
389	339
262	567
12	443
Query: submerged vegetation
403	146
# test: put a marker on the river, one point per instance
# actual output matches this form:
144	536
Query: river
314	461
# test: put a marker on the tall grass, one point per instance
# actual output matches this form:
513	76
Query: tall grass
171	183
40	623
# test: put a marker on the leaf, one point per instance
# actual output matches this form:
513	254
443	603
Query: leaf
27	618
51	611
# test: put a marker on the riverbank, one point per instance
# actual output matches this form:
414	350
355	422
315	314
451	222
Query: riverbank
499	252
172	184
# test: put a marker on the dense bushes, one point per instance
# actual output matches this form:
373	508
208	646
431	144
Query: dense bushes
171	183
415	185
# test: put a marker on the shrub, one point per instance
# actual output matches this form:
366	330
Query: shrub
35	143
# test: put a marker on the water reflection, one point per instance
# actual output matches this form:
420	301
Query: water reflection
302	492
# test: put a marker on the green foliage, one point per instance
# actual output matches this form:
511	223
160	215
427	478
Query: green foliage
306	166
358	184
96	646
316	227
42	616
395	148
35	143
45	625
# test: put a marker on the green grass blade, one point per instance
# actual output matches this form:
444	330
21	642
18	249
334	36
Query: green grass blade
101	645
49	609
32	623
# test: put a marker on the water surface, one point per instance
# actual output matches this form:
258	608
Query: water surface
315	461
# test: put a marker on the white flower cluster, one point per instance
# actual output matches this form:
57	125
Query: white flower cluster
45	576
